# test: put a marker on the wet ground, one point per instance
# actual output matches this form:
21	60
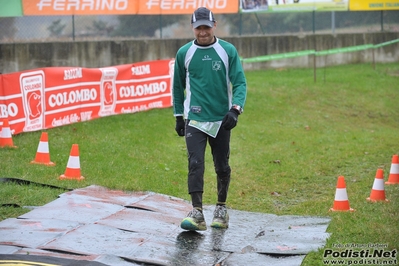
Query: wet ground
98	226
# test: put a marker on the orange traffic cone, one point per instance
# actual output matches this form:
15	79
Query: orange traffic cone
43	154
5	135
378	191
341	202
73	167
394	171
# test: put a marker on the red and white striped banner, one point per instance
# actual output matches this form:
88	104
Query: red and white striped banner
50	97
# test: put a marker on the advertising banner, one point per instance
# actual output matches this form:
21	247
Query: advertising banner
10	8
358	5
51	97
79	7
186	6
124	7
293	5
178	7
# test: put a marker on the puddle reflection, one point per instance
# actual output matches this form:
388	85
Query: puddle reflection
192	247
217	239
189	240
187	243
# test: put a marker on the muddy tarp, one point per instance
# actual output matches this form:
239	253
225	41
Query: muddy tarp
142	228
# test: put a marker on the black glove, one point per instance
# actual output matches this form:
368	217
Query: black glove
230	119
180	126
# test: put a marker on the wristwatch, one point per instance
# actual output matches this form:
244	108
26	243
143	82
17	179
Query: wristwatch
238	108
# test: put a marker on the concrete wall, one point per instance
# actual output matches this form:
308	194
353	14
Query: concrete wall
93	54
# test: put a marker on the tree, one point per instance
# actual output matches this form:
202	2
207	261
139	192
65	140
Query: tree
56	28
7	28
101	28
143	25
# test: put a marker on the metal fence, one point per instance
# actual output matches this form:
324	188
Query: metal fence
77	28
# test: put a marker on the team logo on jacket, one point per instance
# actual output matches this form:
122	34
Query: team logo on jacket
216	65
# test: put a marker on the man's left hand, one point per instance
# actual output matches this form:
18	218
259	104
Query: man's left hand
230	119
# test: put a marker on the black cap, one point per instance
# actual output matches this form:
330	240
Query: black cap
202	16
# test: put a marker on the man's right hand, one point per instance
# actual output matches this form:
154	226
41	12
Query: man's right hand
180	126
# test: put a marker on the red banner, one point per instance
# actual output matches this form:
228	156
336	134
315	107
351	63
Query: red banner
177	7
76	7
50	97
124	7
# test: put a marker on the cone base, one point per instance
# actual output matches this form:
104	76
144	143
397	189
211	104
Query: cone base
71	178
375	200
334	210
8	146
391	183
47	164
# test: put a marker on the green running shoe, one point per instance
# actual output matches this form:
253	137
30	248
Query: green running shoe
194	221
220	217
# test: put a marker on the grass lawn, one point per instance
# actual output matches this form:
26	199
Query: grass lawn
294	139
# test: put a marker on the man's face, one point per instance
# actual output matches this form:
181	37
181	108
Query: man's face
204	34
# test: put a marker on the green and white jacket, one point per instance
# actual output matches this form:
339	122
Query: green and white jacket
207	81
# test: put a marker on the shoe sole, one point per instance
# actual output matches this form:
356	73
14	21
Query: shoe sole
218	225
188	224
